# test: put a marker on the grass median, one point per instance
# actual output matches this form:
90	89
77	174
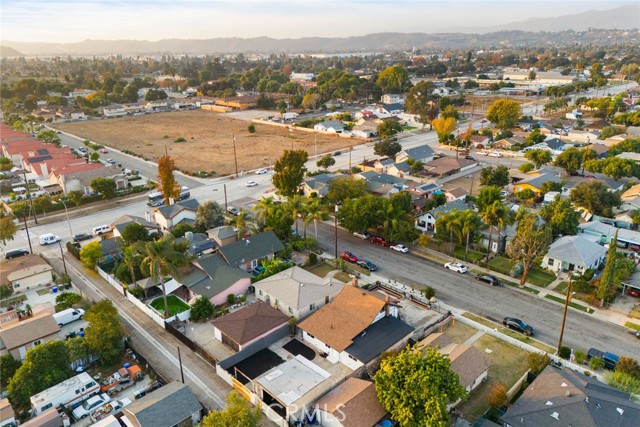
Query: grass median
572	304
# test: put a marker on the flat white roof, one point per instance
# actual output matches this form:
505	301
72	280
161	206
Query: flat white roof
293	379
72	383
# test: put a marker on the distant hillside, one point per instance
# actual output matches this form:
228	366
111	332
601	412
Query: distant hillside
6	51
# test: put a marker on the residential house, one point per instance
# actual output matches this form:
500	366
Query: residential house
79	177
596	125
630	156
318	184
223	235
400	170
367	129
480	141
114	110
354	403
569	398
7	416
392	98
388	110
171	405
384	185
582	136
297	292
426	222
248	325
575	254
508	143
26	272
330	126
7	134
554	145
169	216
355	328
199	243
610	183
383	165
445	166
426	190
600	149
535	180
19	335
247	253
49	418
111	247
455	194
602	233
466	361
424	153
120	224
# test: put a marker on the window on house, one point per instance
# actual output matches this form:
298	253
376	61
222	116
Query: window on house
260	292
550	261
326	299
37	342
290	310
312	307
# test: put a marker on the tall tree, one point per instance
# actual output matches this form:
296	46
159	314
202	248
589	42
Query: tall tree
131	258
238	413
326	161
616	269
289	171
316	211
471	223
296	205
208	215
8	228
105	332
595	197
538	157
487	196
561	216
570	160
161	259
504	113
8	368
531	241
416	388
494	215
494	176
389	128
393	79
90	254
167	183
420	101
347	187
133	233
387	148
444	127
104	186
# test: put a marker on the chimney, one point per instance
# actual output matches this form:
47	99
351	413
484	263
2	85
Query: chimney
386	307
354	281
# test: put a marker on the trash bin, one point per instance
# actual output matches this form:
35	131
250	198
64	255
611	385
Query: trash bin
54	289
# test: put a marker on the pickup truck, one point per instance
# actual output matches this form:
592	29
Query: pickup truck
610	359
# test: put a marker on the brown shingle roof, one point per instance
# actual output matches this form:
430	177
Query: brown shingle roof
337	323
15	334
25	266
356	401
250	322
468	362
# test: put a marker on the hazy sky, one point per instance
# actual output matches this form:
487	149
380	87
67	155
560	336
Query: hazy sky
73	21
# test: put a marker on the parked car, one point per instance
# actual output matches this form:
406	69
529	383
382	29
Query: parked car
399	247
633	292
494	154
488	278
251	183
78	237
233	211
518	325
90	405
257	270
456	266
111	161
349	257
368	265
101	229
261	171
364	235
610	359
16	253
337	153
379	241
470	158
49	239
104	151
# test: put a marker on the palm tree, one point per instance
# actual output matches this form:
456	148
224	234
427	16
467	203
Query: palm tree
316	211
296	205
162	259
389	217
263	209
452	224
471	223
131	258
493	215
242	222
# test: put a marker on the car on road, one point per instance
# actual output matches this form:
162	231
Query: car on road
233	211
49	239
364	235
111	161
633	292
79	237
261	171
483	121
638	333
379	241
488	278
16	253
399	247
494	154
104	151
518	325
470	158
90	405
367	265
456	266
483	153
251	183
337	153
349	257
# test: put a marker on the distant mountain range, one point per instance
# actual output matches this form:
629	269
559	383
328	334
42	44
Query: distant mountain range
532	32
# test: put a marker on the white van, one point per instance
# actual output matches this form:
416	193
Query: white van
67	316
48	239
101	229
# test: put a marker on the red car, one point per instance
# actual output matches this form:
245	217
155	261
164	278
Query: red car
633	292
349	257
379	241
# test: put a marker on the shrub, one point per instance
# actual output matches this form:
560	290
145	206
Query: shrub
596	363
587	373
179	139
136	291
74	249
565	352
526	167
580	356
5	291
537	362
251	128
628	366
623	381
592	300
201	309
66	300
498	397
313	258
231	299
429	292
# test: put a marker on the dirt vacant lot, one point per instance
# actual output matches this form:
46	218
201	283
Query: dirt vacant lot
208	144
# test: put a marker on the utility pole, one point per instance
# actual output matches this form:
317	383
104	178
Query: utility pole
26	228
235	156
225	196
64	263
564	316
180	362
26	183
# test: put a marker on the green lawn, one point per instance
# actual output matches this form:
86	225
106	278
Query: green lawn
474	256
632	325
406	128
562	287
459	332
13	301
321	269
508	365
571	304
536	275
176	305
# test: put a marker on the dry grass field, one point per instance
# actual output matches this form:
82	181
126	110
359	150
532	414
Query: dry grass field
208	144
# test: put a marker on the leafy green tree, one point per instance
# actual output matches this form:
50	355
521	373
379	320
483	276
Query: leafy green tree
289	171
494	176
44	366
133	233
238	413
450	111
420	101
504	113
8	228
610	131
201	309
49	136
208	215
487	196
167	184
614	167
343	188
526	194
595	197
360	214
526	167
444	127
105	332
8	368
90	254
531	241
67	300
181	229
5	164
326	161
629	366
561	216
538	157
393	79
104	186
416	388
623	381
387	148
131	259
570	160
606	286
161	259
535	137
388	129
537	362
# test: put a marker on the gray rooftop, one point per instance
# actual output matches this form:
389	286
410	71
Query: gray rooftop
212	276
165	407
419	153
457	205
173	210
253	247
576	250
378	338
538	180
608	231
121	222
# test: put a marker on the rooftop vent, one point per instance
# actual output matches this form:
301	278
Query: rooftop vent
556	416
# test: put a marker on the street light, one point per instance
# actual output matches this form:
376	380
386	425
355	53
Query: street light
564	315
67	214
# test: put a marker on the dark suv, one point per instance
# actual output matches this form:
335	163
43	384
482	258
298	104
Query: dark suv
488	278
16	253
518	325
